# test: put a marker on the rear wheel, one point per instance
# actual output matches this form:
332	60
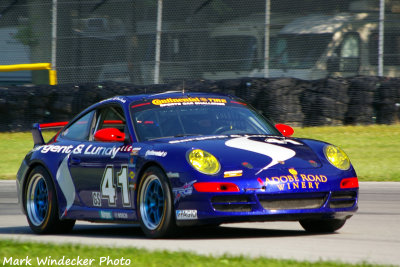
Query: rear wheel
41	204
322	226
156	215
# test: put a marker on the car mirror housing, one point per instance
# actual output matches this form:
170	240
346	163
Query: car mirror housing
285	130
109	135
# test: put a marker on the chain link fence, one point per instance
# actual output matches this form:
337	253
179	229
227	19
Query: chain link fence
288	50
159	41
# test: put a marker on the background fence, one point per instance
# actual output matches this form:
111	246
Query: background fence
177	42
158	41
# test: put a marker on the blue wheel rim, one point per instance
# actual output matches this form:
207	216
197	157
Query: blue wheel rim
152	202
40	199
37	199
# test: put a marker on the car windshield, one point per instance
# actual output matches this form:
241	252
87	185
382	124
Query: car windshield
197	118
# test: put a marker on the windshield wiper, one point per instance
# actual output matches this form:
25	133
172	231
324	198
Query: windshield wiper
184	135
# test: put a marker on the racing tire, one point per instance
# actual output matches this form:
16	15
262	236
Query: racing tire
322	226
40	204
155	204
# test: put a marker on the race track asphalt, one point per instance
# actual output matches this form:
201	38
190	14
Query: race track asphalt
372	235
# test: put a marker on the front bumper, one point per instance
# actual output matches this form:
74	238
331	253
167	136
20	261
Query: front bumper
259	206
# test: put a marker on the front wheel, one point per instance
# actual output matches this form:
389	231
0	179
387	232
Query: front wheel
41	204
322	226
156	215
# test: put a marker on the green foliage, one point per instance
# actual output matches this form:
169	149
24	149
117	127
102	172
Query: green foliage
26	35
140	257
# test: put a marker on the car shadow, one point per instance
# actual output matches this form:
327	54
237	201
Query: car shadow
126	231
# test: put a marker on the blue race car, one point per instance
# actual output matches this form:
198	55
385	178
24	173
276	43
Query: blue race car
180	159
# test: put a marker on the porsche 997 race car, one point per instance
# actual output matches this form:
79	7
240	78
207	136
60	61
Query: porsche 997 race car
181	159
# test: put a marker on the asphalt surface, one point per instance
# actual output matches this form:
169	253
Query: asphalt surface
372	235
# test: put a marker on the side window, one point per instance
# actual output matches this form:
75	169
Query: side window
350	53
111	117
79	130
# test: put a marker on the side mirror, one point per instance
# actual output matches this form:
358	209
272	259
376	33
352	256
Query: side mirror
109	135
285	130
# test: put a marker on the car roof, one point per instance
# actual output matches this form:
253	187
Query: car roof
173	94
127	99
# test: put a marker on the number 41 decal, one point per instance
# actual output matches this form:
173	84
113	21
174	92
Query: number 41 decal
109	189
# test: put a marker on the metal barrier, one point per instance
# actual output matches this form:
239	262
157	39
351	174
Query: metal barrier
32	66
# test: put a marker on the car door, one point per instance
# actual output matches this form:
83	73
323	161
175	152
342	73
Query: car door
100	168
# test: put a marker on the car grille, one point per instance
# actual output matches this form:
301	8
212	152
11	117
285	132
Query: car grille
232	203
293	202
296	201
343	200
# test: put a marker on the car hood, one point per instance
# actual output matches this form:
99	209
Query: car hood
256	152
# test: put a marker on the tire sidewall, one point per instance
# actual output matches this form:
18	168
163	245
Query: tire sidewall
51	217
167	224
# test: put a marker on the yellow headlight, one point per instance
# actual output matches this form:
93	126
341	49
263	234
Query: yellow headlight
203	161
337	157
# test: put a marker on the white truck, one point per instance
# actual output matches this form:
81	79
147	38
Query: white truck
236	47
308	47
317	46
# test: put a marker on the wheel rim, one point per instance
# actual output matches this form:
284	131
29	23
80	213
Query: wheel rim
37	199
152	202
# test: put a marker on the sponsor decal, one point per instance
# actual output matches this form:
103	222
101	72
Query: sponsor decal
96	196
186	214
296	180
173	175
282	141
86	150
156	153
57	149
229	174
183	191
121	215
106	215
117	98
275	152
188	101
131	175
135	151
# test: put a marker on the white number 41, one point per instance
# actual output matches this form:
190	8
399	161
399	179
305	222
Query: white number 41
109	189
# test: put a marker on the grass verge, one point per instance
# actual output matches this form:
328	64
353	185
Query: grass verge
103	256
374	150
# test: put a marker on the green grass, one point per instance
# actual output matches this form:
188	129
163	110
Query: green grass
374	150
139	257
13	148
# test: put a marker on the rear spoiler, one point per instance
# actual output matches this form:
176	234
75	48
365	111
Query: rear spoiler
37	131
